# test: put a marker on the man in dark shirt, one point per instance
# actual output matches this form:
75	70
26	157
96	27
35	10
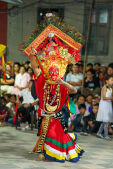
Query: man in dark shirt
91	84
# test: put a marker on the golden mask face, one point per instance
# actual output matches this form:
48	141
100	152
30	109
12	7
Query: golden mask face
56	61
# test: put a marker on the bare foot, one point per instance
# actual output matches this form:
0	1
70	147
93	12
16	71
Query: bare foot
46	160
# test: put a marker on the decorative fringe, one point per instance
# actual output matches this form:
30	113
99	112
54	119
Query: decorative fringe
57	22
44	128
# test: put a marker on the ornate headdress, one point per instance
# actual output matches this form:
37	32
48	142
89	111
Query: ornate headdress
57	43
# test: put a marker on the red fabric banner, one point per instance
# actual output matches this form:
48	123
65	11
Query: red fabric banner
3	22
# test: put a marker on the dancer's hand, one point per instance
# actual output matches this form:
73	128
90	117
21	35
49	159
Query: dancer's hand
59	81
70	88
33	51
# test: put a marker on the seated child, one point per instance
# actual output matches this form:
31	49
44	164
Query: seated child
93	125
80	123
3	110
12	106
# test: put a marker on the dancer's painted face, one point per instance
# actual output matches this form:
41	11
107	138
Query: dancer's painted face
54	72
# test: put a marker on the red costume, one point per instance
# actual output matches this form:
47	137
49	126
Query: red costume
55	50
53	141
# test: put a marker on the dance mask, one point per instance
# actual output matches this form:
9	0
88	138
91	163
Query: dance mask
53	73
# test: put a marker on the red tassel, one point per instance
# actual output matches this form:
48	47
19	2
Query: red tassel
4	76
15	112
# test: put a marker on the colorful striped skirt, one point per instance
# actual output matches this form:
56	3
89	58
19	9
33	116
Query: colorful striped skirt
59	146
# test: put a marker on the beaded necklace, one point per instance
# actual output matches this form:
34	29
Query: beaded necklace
51	97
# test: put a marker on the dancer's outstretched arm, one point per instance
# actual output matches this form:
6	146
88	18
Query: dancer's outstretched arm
33	61
70	88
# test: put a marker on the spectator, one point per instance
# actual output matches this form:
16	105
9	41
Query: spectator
93	125
75	79
103	69
30	72
91	85
80	123
80	100
68	72
7	98
12	107
110	65
97	98
27	64
110	70
97	69
105	112
93	102
21	81
7	84
81	62
27	105
11	64
102	79
89	66
16	68
3	110
89	100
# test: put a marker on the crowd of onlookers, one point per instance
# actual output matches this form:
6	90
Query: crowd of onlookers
85	103
16	86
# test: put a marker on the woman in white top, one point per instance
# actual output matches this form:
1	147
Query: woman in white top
21	81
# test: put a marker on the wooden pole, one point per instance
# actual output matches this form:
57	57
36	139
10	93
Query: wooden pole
87	41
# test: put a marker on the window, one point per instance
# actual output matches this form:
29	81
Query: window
103	17
43	11
100	28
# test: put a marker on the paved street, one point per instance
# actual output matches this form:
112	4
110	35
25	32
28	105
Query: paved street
15	147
